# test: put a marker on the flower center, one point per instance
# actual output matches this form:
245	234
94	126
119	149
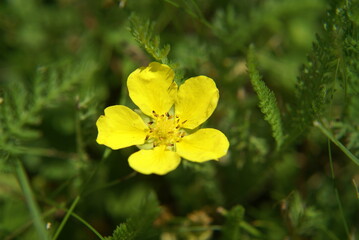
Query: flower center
165	129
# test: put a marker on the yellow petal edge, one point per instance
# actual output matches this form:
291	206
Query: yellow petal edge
203	145
159	161
120	127
196	100
152	88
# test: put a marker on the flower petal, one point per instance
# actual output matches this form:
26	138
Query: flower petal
159	161
196	100
152	88
120	127
203	145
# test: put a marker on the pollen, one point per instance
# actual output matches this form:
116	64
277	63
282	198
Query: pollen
165	129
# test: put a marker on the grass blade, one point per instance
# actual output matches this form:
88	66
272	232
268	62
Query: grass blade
336	142
30	201
345	224
69	212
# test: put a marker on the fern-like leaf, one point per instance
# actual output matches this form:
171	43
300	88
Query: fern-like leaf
140	225
267	100
19	111
142	31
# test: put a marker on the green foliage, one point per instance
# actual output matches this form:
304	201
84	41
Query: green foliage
140	226
49	108
191	7
22	104
314	88
302	220
330	61
267	100
345	30
30	201
231	229
142	31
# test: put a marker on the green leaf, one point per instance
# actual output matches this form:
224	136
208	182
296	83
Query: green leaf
30	200
232	227
21	105
143	32
267	100
139	226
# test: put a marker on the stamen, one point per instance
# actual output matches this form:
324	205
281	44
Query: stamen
154	113
164	130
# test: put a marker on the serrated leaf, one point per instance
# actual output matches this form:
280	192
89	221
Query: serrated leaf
267	100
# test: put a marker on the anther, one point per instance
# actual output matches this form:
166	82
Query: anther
150	123
177	127
167	114
184	121
147	137
154	113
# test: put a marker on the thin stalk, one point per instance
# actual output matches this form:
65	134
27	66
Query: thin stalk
337	193
112	183
79	140
199	13
87	225
64	221
26	225
198	228
248	228
57	206
105	155
30	201
44	152
191	13
356	188
336	142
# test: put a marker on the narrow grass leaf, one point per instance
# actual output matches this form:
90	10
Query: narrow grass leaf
336	142
63	222
30	200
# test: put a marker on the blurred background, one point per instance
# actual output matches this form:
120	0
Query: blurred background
63	61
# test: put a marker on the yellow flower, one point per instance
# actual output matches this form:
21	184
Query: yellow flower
165	128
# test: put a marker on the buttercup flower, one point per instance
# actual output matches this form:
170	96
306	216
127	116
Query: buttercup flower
166	127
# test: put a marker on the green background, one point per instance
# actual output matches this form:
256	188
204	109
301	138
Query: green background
62	62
